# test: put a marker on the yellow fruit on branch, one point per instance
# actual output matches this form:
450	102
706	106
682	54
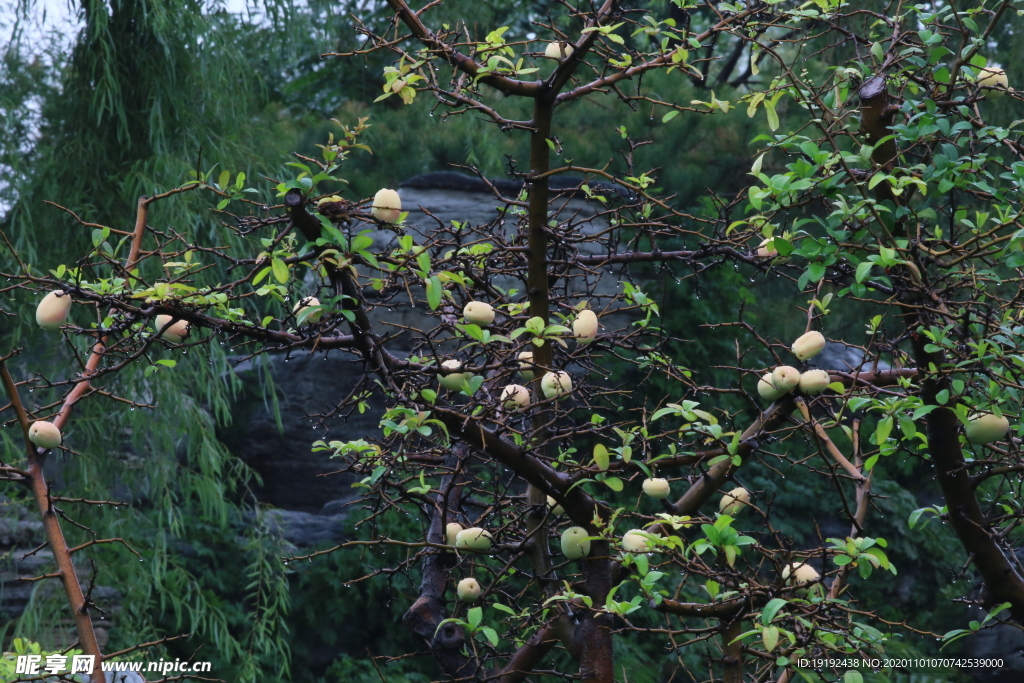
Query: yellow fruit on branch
387	206
809	345
584	327
733	502
526	365
785	378
469	590
515	397
478	313
636	541
474	538
983	428
558	50
993	77
556	509
451	378
451	531
656	488
177	331
767	250
799	573
44	434
556	384
814	382
308	303
52	311
766	388
575	543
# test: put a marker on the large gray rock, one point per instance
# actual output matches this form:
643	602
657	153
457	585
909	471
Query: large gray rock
21	533
294	478
845	358
304	530
999	642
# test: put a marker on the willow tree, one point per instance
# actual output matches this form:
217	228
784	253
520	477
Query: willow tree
560	508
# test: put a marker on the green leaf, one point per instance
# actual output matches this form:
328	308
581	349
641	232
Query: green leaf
614	483
771	609
280	269
601	456
883	430
770	638
773	117
475	615
260	275
423	261
434	291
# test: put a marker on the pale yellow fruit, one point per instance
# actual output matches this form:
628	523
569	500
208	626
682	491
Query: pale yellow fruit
734	501
478	313
44	434
474	538
584	327
558	50
656	488
308	302
767	389
469	590
785	377
993	77
387	206
798	573
525	367
329	200
809	345
636	541
556	384
515	397
814	382
767	250
556	509
575	543
453	380
52	311
176	333
983	428
451	531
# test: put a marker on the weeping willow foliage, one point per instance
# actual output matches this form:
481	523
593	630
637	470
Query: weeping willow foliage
149	90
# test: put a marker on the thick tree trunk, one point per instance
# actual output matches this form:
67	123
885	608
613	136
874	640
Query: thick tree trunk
597	661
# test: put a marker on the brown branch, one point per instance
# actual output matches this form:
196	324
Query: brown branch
824	439
942	427
705	487
463	63
529	654
427	613
54	535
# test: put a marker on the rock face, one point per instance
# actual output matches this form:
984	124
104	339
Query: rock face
20	533
1003	642
293	476
839	356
